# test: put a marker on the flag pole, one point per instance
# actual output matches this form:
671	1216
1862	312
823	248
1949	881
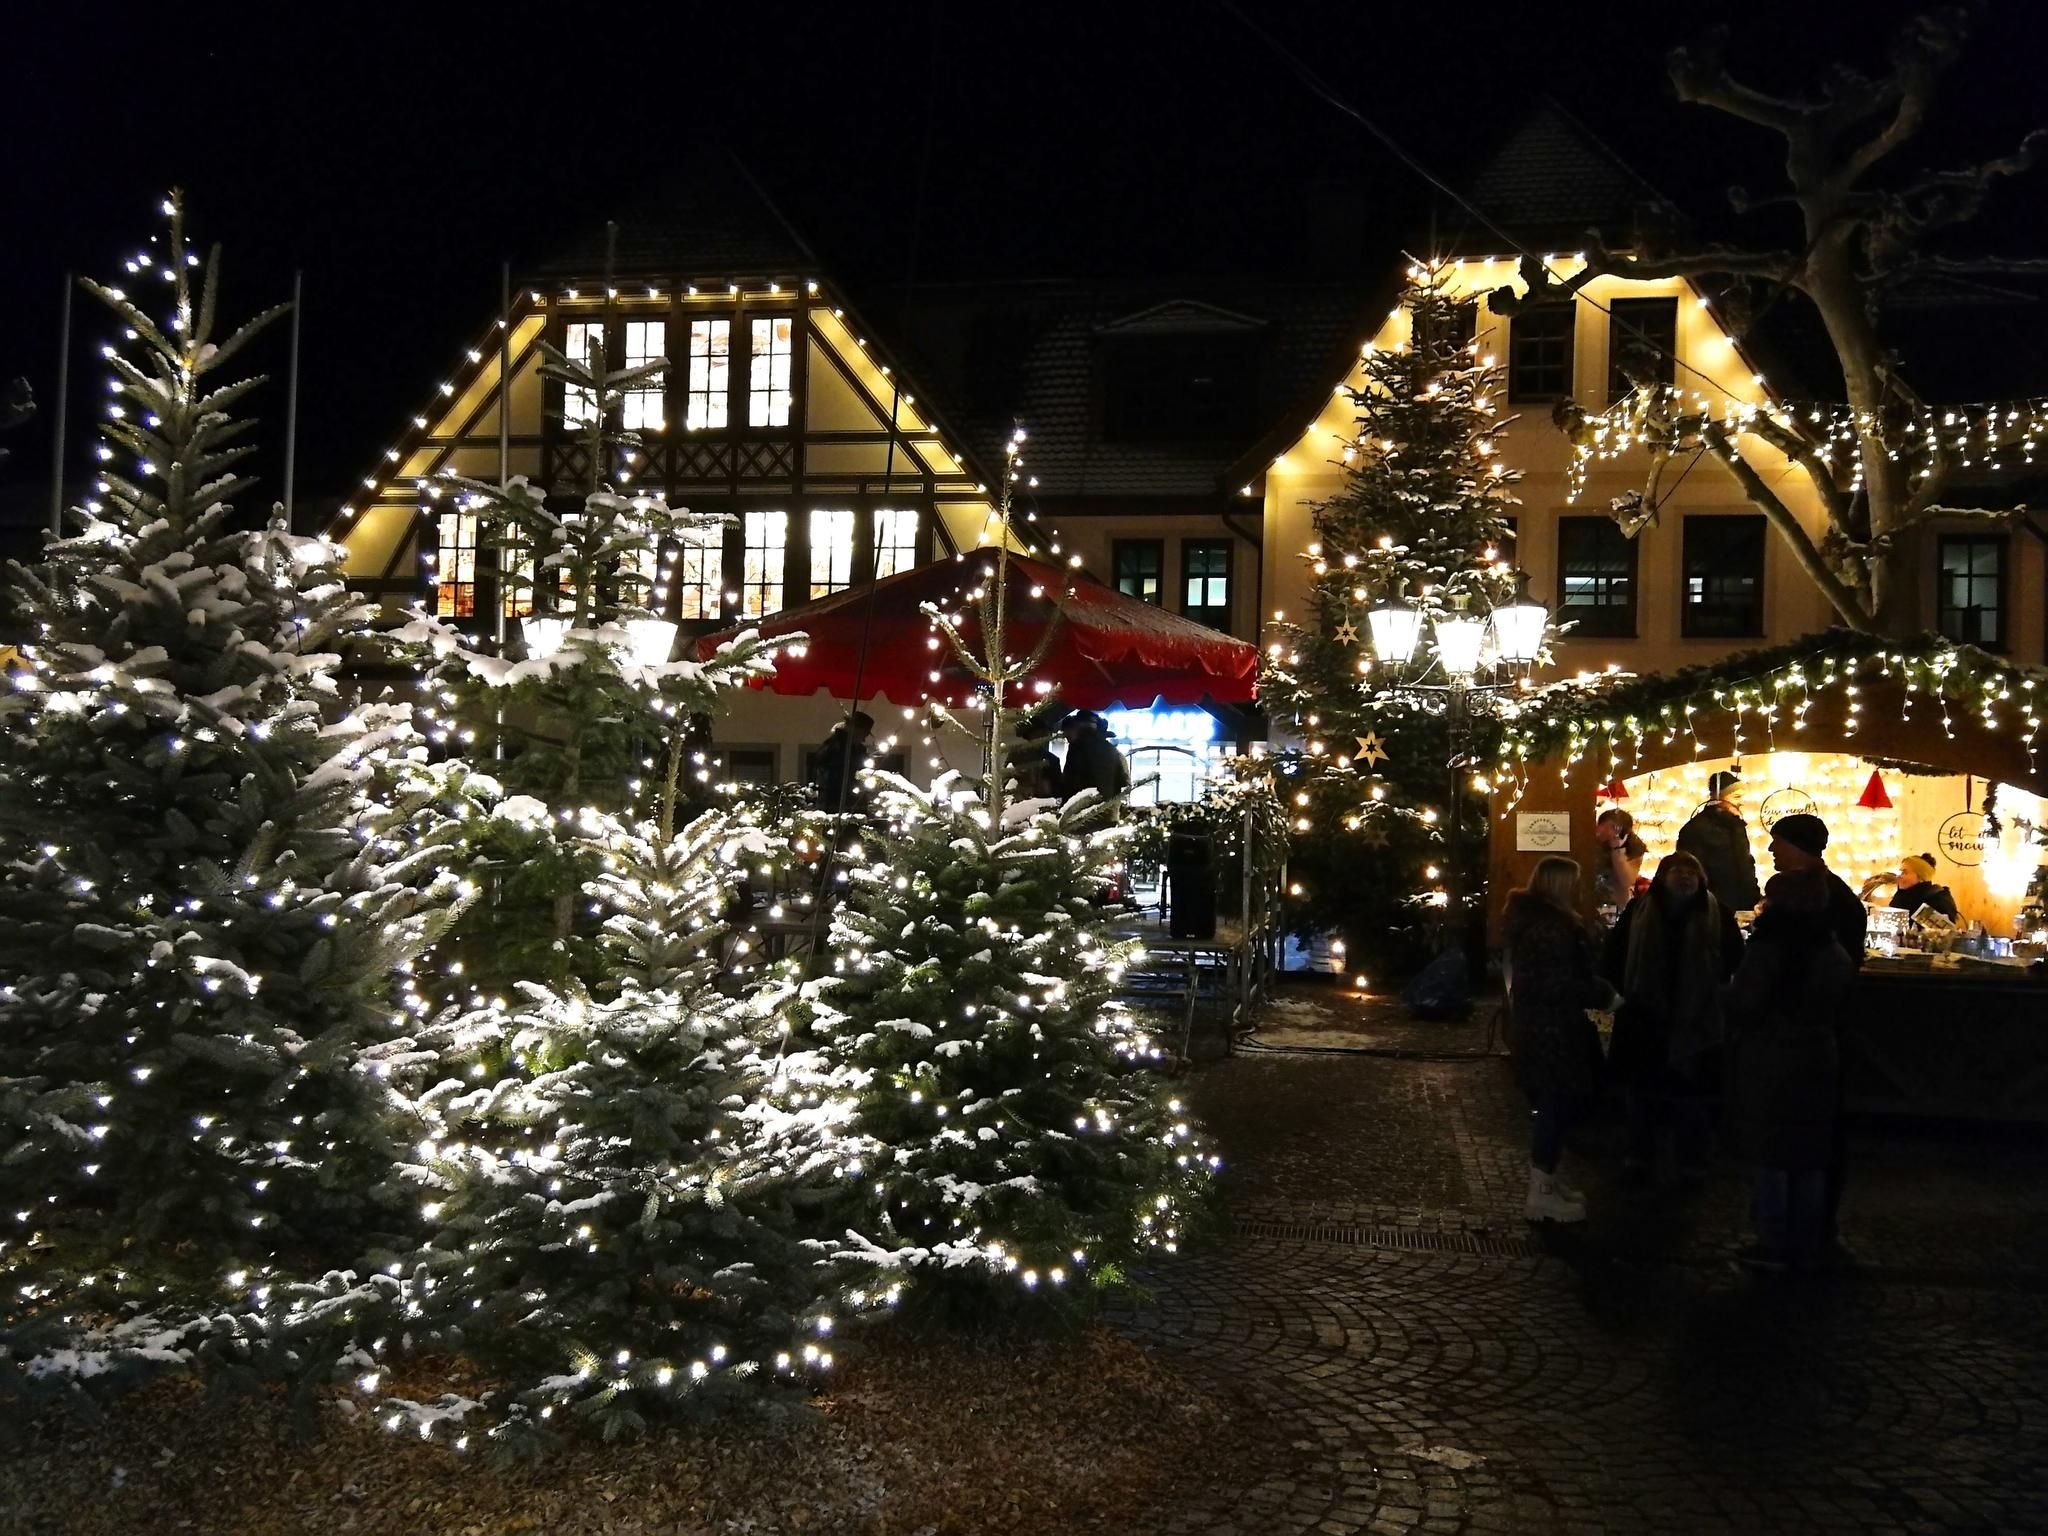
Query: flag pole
63	390
291	399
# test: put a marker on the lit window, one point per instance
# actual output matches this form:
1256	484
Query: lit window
700	572
1205	581
761	580
895	540
710	374
831	550
584	341
455	566
646	342
768	373
515	580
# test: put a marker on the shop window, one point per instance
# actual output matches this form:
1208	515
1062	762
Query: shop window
1970	589
1140	569
767	540
646	342
1724	578
699	572
768	372
581	344
708	398
1596	578
831	550
895	540
1540	353
1205	581
1642	335
747	765
455	566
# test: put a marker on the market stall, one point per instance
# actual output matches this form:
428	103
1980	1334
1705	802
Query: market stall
1903	750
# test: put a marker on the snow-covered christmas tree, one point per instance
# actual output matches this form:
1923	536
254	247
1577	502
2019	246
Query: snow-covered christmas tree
1422	519
200	921
609	1224
1020	1147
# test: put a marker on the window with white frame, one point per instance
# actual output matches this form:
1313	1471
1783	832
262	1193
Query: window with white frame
708	399
767	537
515	580
699	572
831	550
581	345
768	372
895	540
646	342
455	566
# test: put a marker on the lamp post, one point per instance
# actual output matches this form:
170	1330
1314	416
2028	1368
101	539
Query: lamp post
1469	666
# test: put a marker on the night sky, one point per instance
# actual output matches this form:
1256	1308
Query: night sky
398	163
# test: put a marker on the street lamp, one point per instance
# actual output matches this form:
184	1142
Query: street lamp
1471	666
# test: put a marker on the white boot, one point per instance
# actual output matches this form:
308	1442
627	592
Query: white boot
1550	1201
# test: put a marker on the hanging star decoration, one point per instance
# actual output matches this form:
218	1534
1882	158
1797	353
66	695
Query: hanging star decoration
1374	835
1346	633
1371	750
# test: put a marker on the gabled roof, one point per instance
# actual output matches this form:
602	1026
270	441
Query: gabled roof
1033	353
1553	179
709	217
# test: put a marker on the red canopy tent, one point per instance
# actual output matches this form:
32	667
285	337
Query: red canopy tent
1108	648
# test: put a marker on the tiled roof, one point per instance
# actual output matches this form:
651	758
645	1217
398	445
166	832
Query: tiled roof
1554	178
1033	353
708	218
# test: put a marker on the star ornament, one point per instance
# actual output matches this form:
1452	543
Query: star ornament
1371	750
1346	633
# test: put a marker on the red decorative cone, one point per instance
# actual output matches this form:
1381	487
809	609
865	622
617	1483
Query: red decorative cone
1874	798
1613	790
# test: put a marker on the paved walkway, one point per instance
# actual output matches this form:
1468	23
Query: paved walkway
1434	1364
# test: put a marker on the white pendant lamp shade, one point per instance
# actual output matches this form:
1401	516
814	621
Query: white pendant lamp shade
1395	629
544	633
652	640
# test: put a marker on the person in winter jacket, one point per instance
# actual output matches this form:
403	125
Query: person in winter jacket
1670	955
1618	872
1719	838
1916	888
1552	981
840	763
1093	761
1784	1088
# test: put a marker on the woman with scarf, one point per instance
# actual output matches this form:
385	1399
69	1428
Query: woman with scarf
1553	979
1670	955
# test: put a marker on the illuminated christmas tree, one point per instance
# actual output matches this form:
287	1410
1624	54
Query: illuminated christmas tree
1421	521
200	915
1019	1147
608	1212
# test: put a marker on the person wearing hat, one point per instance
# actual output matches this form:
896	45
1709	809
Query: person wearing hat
1093	761
1916	887
1799	845
1719	838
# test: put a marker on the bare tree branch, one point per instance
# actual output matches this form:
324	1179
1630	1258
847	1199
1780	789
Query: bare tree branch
1845	600
1699	74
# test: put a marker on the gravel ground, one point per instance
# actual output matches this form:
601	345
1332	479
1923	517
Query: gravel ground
925	1438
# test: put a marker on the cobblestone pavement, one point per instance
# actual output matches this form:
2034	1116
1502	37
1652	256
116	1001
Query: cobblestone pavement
1436	1365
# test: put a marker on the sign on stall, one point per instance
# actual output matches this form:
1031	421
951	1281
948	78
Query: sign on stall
1543	831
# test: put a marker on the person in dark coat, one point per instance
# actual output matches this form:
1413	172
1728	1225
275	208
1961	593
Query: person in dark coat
840	763
1719	838
1916	888
1799	846
1552	981
1669	956
1784	1086
1093	761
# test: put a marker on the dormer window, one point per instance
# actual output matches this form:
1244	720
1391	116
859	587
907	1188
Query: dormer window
710	376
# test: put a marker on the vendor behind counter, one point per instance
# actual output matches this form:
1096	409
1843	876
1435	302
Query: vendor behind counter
1916	888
